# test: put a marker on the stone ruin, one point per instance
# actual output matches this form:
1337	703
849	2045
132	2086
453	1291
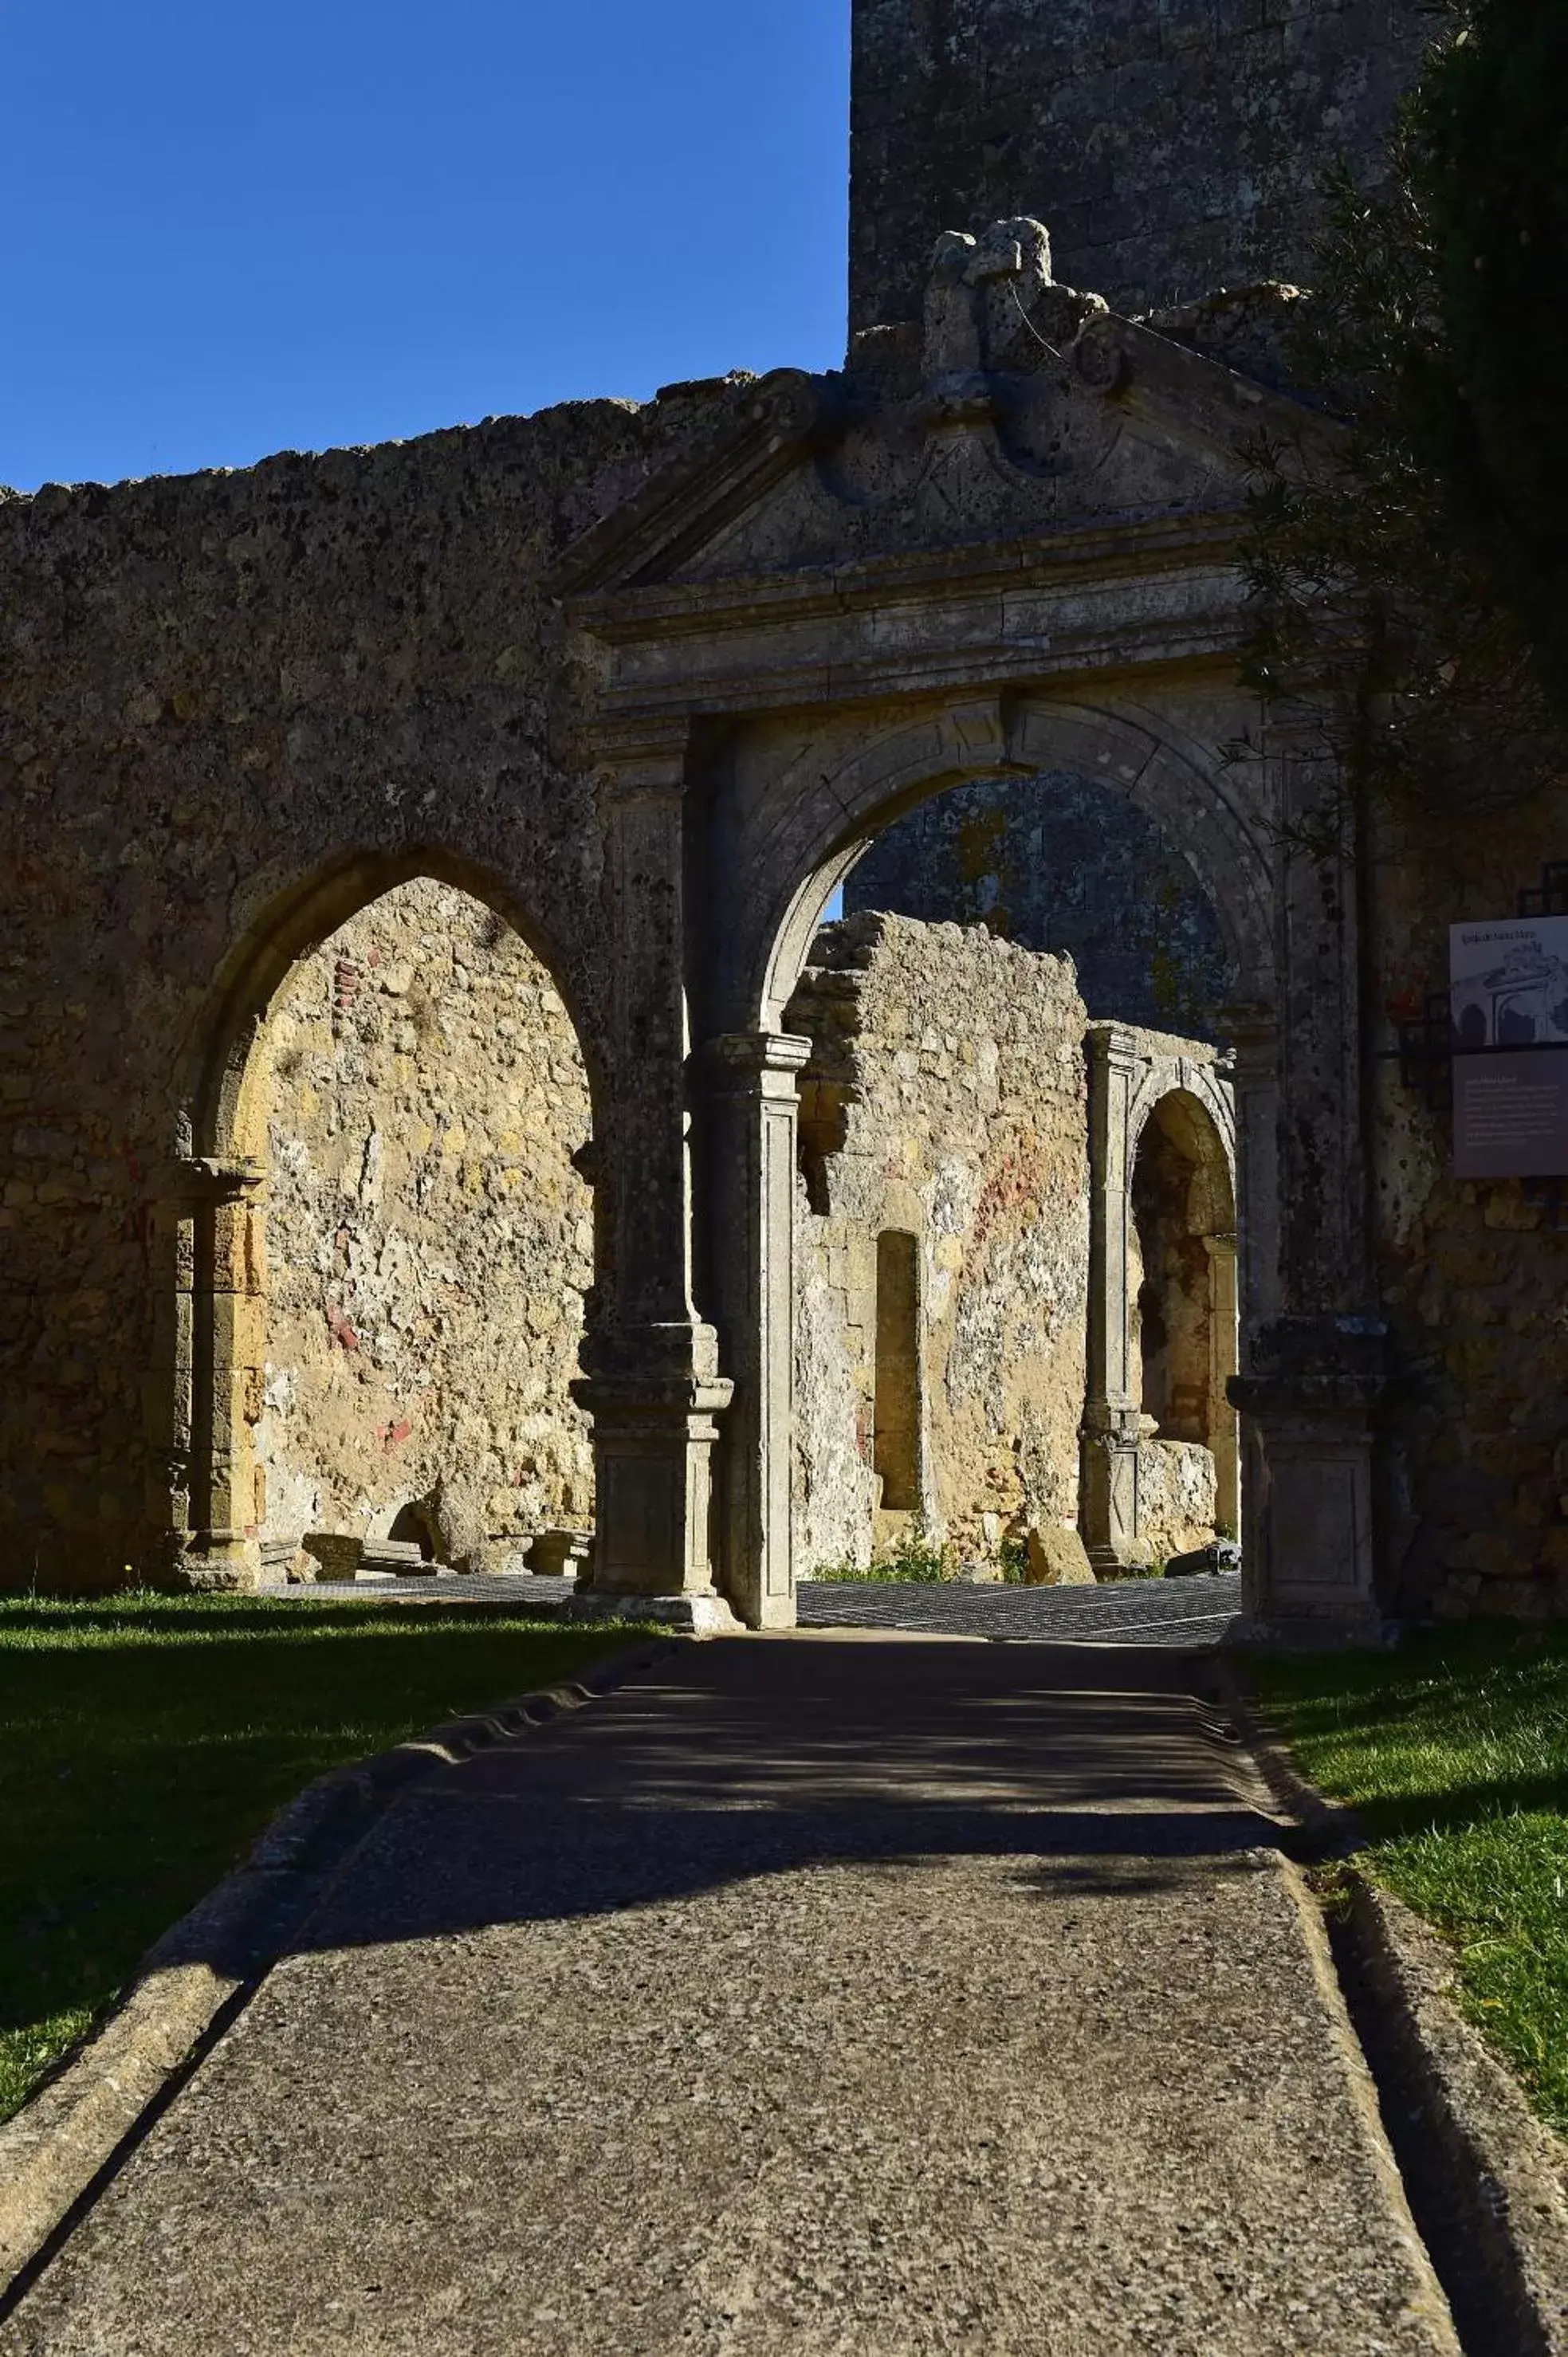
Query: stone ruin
418	1095
645	683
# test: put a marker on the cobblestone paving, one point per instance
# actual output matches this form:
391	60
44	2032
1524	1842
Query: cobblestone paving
521	1590
1187	1613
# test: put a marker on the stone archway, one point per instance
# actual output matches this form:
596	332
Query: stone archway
1143	1098
232	1370
819	618
831	792
809	818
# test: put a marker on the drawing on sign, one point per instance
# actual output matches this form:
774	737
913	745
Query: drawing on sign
1509	983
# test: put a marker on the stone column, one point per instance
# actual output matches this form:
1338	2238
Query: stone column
1224	1441
753	1108
652	1380
1255	1081
1109	1442
210	1340
1312	1350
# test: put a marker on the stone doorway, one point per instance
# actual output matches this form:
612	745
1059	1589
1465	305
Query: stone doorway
968	1270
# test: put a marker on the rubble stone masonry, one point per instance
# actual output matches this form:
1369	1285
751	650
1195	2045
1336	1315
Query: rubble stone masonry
1474	1274
235	707
429	1240
945	1100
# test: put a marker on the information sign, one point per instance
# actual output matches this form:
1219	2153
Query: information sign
1510	997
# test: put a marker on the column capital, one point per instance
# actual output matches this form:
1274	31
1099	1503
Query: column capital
749	1055
1113	1045
1313	1369
640	759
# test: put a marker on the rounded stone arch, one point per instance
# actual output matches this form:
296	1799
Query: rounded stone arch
213	1306
1169	1080
294	919
1181	1228
824	815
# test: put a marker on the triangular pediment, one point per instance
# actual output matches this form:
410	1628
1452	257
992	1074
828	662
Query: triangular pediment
810	474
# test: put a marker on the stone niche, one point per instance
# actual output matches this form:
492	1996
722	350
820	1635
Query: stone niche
429	1240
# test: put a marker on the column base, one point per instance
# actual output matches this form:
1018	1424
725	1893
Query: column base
217	1563
691	1613
1308	1415
1294	1633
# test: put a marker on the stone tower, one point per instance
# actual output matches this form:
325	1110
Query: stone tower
1171	146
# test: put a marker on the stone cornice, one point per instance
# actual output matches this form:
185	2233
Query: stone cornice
1090	551
717	476
1148	595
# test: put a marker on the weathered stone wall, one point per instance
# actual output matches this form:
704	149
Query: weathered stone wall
429	1240
234	708
945	1099
1176	1503
1171	146
1473	1274
1065	864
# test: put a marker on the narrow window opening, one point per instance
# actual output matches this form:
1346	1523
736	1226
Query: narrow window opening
897	1426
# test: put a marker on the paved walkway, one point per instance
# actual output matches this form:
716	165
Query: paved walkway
1187	1613
830	1995
1190	1613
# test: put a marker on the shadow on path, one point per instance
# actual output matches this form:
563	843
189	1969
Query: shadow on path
764	1757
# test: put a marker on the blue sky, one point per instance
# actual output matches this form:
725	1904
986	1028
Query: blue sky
235	229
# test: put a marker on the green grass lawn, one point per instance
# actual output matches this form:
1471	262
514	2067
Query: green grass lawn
1453	1752
145	1741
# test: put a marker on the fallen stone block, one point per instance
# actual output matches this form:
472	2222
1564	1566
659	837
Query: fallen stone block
406	1557
559	1555
1057	1558
337	1553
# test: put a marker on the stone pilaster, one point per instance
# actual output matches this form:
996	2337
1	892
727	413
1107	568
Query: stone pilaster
652	1381
1109	1459
753	1104
1311	1355
207	1384
1224	1439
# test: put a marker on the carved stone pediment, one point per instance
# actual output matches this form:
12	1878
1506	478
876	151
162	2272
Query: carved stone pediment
1031	412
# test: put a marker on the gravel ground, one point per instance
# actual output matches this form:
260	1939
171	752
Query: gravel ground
837	1995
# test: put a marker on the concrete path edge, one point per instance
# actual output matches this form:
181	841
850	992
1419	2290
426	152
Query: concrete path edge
190	1985
1506	2172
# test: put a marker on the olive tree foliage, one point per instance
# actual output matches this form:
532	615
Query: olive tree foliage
1409	563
